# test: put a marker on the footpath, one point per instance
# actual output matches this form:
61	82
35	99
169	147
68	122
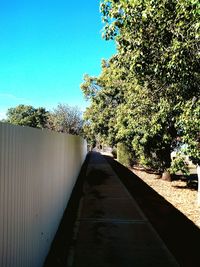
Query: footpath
111	229
106	225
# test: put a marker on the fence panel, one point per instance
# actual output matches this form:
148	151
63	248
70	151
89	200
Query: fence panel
38	170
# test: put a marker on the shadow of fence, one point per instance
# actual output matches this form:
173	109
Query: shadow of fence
180	235
60	248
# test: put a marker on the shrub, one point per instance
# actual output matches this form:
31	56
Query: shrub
179	164
114	152
124	155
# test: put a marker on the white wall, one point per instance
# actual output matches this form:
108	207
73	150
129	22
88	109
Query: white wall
38	170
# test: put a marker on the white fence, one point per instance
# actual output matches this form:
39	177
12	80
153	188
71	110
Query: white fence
38	170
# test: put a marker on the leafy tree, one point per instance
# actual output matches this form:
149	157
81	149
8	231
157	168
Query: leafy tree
158	45
189	125
140	92
105	96
147	127
158	40
91	137
126	117
27	116
65	119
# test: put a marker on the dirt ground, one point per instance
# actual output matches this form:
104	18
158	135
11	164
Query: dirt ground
178	193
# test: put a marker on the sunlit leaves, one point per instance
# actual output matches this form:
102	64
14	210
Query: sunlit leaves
141	98
27	116
189	123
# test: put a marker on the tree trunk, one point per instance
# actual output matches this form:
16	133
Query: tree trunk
166	176
198	175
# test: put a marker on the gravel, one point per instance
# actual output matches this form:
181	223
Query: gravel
176	192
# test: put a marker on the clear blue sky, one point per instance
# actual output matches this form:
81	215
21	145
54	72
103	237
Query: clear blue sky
46	47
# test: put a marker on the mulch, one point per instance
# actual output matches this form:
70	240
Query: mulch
181	192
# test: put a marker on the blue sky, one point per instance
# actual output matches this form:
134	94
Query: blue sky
46	47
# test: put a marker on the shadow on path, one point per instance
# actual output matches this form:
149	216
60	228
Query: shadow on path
58	253
180	234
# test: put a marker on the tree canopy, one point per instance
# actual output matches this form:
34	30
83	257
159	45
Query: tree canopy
27	116
158	41
143	92
65	119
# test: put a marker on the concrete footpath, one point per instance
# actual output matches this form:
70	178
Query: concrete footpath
111	230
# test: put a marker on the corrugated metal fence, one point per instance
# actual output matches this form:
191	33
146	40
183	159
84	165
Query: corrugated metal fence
38	170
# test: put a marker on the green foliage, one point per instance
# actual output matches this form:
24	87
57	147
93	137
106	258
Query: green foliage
142	97
159	41
100	116
90	136
114	152
179	164
124	155
27	116
147	127
66	119
189	124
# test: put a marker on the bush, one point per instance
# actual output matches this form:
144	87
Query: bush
179	164
114	152
124	155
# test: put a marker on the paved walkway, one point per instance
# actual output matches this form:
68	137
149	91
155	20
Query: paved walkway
111	230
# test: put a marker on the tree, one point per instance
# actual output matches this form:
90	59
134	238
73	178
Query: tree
189	123
147	127
156	71
159	42
65	119
105	96
27	116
